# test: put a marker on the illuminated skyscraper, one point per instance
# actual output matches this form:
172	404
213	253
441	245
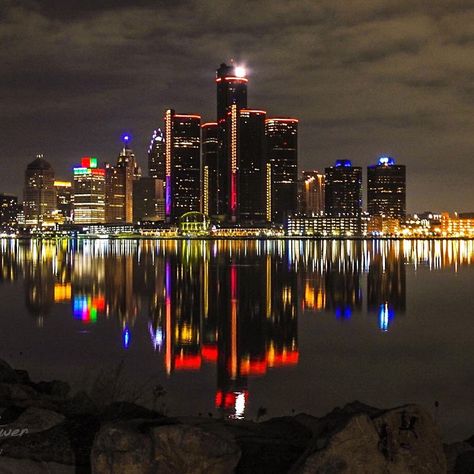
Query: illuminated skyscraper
148	199
156	155
182	164
281	136
119	186
247	177
64	199
311	193
231	90
39	195
8	212
343	193
209	168
89	192
386	189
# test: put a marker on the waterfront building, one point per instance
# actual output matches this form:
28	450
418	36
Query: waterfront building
8	212
156	155
311	193
457	225
281	142
39	194
210	169
148	199
343	191
89	192
326	226
386	189
64	198
246	139
182	164
231	88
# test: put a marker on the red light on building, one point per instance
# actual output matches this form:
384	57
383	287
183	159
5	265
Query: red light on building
232	78
86	162
187	362
98	172
281	119
209	352
190	116
209	124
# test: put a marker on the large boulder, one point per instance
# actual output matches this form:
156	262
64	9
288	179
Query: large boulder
7	374
148	446
396	441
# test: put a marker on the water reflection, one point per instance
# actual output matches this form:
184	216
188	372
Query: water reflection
229	303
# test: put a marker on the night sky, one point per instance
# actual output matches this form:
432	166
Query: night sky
365	78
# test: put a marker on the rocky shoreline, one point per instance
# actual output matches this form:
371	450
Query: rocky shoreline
43	429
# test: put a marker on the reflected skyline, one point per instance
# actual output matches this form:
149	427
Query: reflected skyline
232	305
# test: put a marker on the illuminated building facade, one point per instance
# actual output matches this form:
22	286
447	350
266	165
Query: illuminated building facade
281	140
89	192
343	191
8	212
248	172
311	193
39	194
386	189
64	198
119	186
210	170
457	225
182	164
156	155
231	85
148	199
321	225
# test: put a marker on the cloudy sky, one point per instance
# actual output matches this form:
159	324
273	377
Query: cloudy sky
365	78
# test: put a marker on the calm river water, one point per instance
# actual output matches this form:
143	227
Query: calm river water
227	327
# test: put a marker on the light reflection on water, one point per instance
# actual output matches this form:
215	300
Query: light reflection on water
233	305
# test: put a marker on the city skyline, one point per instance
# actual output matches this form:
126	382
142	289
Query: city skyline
405	91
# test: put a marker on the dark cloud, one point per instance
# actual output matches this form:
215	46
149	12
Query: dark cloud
365	77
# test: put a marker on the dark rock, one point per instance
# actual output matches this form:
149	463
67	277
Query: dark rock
452	451
470	441
120	448
35	419
23	376
80	404
7	374
465	463
126	411
27	466
55	388
16	392
400	440
140	446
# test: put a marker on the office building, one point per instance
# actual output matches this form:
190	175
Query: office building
281	137
182	164
386	189
156	155
89	192
119	186
311	193
148	199
231	85
64	200
8	212
343	190
210	170
246	139
39	194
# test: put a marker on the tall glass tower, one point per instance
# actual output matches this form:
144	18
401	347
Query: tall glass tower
231	84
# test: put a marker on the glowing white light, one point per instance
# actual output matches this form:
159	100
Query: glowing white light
240	71
239	405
